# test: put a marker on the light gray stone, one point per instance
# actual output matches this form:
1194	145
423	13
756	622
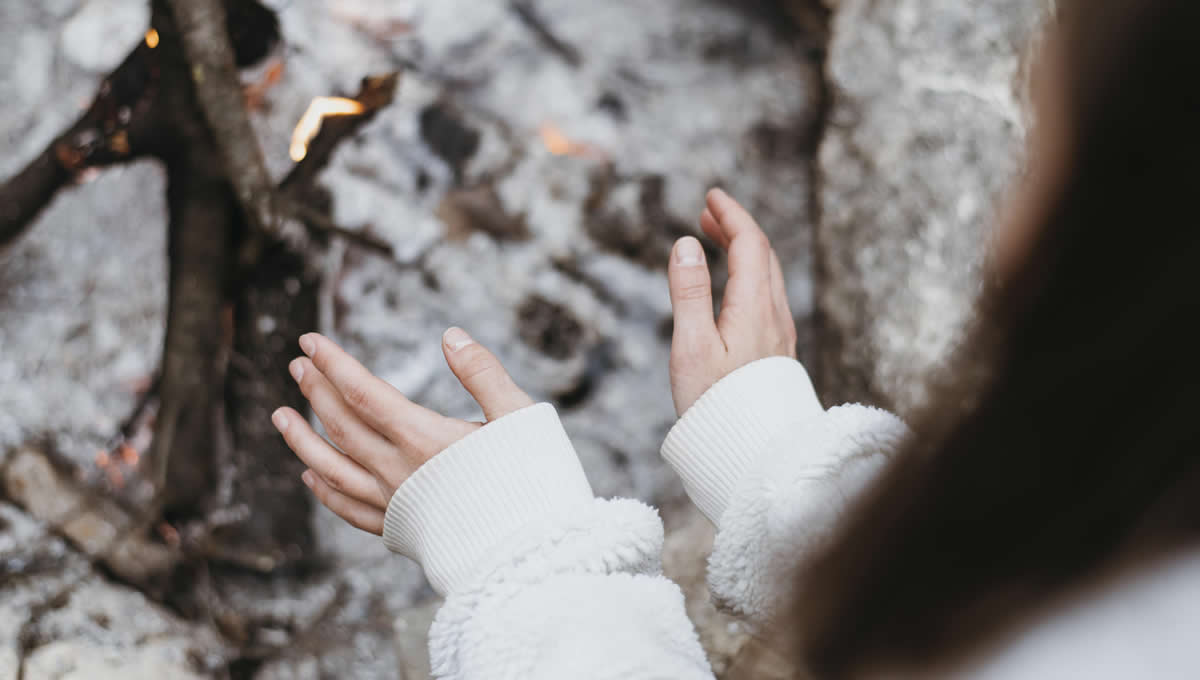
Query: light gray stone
412	640
60	620
924	135
685	560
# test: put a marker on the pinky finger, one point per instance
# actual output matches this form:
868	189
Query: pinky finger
779	291
355	512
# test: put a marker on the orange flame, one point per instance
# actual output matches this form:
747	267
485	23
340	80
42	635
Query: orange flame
129	455
152	38
559	144
310	122
554	139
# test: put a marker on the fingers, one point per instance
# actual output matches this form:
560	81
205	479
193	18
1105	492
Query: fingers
712	229
357	513
362	443
339	471
482	374
691	297
779	294
783	310
749	258
379	404
729	219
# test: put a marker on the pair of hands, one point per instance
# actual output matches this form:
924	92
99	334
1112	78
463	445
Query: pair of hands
381	437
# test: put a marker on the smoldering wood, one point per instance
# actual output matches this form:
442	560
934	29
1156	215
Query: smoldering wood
202	29
273	303
238	295
202	210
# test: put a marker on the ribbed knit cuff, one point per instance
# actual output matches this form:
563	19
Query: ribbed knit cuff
731	424
470	498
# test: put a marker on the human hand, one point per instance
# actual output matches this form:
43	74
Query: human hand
755	321
382	436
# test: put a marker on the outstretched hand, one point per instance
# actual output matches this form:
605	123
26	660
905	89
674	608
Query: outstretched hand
755	321
381	437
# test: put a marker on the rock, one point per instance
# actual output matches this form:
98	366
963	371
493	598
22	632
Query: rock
412	640
65	622
108	632
95	525
923	137
685	561
732	651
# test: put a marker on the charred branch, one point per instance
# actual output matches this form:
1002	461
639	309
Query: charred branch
296	190
375	93
23	196
321	225
202	213
116	127
272	306
203	31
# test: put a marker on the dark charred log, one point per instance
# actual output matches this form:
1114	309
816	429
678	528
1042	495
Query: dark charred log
226	254
274	304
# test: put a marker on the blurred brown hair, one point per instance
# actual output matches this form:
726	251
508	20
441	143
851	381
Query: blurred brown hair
1069	444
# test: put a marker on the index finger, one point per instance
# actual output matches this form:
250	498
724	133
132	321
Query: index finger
382	406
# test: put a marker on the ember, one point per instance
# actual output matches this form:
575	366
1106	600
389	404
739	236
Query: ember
559	144
152	38
310	122
129	455
169	533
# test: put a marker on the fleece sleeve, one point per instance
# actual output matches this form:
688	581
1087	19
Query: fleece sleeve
773	471
541	579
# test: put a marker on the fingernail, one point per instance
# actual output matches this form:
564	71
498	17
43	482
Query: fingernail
296	368
307	344
280	420
688	253
456	338
307	477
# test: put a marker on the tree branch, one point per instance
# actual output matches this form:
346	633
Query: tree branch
202	28
26	193
316	221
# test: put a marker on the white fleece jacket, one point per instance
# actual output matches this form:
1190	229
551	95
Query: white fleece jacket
543	580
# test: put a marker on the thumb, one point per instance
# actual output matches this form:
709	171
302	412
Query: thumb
481	373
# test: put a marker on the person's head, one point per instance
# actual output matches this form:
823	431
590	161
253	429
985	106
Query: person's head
1076	445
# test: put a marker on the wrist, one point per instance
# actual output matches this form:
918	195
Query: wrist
482	490
721	435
